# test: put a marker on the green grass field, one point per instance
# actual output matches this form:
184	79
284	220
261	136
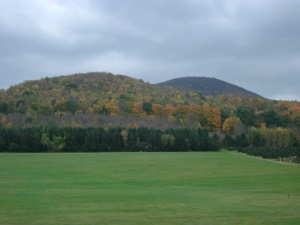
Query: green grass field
147	188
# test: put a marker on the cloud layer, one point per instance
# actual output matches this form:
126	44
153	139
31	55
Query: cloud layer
254	44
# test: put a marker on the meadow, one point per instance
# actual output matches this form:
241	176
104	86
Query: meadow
147	188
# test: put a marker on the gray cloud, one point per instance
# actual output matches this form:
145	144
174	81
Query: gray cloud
253	44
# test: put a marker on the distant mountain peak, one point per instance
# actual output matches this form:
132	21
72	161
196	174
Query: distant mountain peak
208	86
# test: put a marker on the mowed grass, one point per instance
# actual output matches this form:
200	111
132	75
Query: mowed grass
147	188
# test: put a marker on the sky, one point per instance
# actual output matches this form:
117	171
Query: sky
250	43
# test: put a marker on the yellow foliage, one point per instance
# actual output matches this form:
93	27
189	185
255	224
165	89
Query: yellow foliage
158	110
91	110
182	110
230	124
35	87
112	108
198	112
169	109
130	106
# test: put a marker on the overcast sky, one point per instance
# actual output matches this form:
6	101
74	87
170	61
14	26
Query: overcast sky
251	43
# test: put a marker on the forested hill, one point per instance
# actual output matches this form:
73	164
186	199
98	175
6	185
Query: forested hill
107	100
208	86
101	111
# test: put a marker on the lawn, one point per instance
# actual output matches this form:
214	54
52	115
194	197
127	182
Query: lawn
147	188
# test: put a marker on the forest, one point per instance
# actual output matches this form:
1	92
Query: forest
105	101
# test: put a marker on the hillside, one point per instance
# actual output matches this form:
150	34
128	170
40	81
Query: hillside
93	90
104	100
208	86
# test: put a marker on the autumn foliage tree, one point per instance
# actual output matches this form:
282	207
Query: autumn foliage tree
137	109
230	125
158	110
112	108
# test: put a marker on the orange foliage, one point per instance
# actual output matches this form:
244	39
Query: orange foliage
295	109
216	119
3	120
138	109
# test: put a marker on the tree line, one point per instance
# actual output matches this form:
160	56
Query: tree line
277	143
113	139
271	143
291	154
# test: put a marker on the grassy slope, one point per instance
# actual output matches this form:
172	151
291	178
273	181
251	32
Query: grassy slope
147	188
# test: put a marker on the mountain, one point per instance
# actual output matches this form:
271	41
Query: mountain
208	86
